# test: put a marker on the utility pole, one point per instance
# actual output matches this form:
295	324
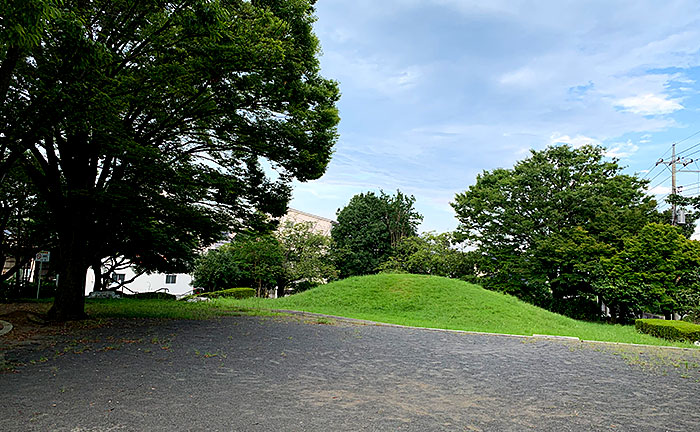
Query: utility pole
677	217
674	191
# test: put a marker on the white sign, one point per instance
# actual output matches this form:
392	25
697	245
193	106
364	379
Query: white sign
43	256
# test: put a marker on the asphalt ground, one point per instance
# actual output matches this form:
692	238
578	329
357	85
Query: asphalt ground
311	374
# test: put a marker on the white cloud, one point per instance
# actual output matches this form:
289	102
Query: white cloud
649	104
575	142
524	76
368	73
621	150
659	190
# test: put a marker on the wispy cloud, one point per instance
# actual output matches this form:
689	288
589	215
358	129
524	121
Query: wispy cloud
622	150
650	104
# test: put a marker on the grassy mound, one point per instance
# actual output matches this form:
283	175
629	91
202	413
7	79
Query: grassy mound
428	301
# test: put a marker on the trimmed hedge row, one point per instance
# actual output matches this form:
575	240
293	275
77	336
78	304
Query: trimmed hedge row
239	293
670	330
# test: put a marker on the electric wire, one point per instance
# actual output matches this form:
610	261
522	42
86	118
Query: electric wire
660	183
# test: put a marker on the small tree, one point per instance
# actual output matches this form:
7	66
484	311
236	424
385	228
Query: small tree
306	256
250	260
432	254
217	269
368	228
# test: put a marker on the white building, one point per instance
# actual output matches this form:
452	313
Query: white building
181	283
177	283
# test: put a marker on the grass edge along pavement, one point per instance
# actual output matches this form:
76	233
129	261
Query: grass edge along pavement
442	303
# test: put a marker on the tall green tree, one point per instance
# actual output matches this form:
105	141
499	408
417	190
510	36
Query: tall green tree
368	228
146	124
540	226
657	271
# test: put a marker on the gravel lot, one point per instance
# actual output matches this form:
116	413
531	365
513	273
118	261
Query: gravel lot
304	374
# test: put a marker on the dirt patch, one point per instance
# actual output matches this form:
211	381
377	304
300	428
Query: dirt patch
30	325
27	319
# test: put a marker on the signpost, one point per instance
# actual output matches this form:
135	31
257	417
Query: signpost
41	258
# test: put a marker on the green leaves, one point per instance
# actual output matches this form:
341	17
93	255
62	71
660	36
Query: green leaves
306	255
542	226
368	228
657	272
151	119
249	260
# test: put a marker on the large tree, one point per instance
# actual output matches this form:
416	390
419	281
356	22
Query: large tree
368	229
541	225
148	124
657	271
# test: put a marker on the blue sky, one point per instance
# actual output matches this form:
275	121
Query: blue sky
436	91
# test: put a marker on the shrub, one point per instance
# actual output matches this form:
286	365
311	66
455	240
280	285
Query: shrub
670	330
239	293
693	317
153	295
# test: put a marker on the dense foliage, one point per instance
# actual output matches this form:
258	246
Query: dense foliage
238	293
431	254
658	271
306	257
541	227
143	125
368	229
249	260
292	257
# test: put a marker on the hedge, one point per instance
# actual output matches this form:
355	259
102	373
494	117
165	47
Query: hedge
152	295
238	293
668	329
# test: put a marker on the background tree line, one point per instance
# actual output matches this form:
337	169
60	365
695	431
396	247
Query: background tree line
563	229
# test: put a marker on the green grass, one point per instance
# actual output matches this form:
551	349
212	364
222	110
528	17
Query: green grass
426	301
155	308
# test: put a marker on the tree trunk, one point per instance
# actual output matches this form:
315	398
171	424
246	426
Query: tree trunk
69	303
97	269
74	260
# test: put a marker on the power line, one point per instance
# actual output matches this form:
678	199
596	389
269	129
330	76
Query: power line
686	139
695	152
660	183
653	167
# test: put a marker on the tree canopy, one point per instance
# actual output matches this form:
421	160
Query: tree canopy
306	257
144	126
657	271
541	226
368	228
431	254
249	260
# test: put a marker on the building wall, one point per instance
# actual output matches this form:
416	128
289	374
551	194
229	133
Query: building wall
319	224
148	282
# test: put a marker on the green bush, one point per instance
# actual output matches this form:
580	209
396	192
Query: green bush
670	330
152	295
693	317
239	293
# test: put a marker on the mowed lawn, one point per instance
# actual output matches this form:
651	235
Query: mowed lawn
436	302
